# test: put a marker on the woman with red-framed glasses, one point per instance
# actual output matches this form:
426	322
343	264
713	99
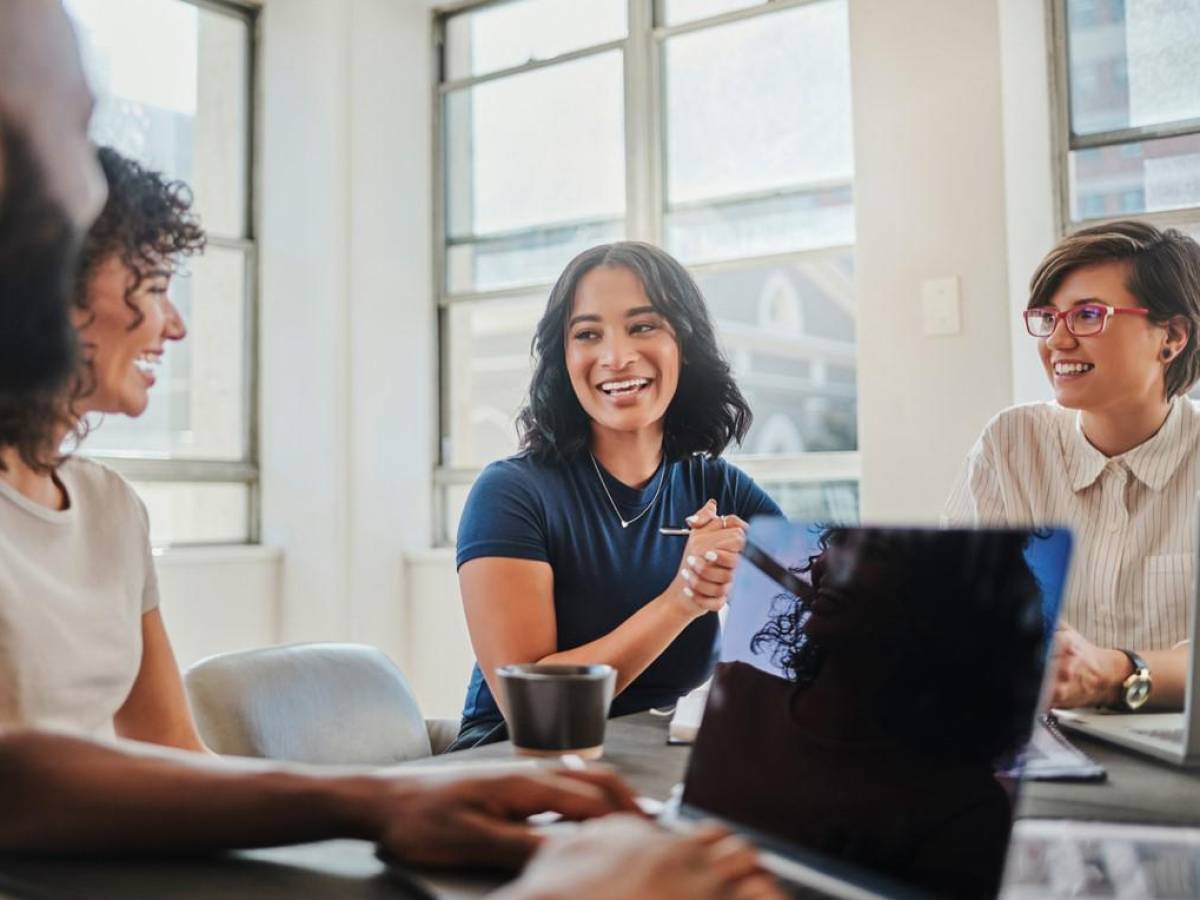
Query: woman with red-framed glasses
1115	311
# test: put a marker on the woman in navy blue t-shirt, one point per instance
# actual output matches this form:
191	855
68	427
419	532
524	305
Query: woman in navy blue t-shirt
560	554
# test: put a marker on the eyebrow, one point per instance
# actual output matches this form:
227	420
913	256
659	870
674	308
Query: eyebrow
629	314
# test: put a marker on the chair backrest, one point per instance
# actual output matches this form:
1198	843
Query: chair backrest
315	703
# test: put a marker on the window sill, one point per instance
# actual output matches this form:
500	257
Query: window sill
201	554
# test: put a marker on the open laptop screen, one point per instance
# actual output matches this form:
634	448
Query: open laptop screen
861	712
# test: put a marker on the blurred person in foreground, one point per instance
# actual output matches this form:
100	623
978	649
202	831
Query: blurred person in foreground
65	794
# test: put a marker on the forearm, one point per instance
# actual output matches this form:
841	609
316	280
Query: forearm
634	644
64	794
1168	669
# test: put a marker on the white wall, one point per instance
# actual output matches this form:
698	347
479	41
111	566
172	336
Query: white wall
216	599
1028	173
347	328
929	189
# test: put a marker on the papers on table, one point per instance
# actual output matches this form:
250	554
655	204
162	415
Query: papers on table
1084	860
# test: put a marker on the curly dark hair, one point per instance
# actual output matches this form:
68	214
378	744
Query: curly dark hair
148	223
970	649
707	412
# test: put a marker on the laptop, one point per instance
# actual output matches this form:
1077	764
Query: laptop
1174	737
852	731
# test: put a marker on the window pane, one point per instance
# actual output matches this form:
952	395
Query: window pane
802	220
817	501
196	407
1149	176
789	332
1132	63
538	149
196	513
529	257
511	34
758	121
677	11
486	358
172	81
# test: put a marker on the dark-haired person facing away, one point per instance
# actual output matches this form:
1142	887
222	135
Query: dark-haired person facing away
1115	312
65	794
559	551
909	673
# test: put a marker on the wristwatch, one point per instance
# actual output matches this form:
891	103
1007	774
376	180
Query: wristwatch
1134	690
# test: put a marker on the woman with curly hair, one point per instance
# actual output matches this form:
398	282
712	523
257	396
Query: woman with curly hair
82	642
561	556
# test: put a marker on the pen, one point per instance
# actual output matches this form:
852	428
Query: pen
682	532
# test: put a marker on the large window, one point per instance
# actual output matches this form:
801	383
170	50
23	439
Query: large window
718	129
1129	111
173	82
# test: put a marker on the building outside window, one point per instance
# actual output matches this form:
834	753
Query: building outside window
1129	111
717	129
173	81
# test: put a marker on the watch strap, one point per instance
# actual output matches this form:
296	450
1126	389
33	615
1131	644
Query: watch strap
1141	673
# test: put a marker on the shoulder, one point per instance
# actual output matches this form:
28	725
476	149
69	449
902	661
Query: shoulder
90	482
103	499
1026	421
518	474
733	488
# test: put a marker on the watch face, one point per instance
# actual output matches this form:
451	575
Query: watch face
1137	691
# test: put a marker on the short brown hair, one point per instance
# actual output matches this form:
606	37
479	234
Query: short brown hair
1164	276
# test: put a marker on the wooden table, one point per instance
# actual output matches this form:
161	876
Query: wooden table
1138	789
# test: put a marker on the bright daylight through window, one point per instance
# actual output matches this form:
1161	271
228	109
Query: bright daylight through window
717	129
173	82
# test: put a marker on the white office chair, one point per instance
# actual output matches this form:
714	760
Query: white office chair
313	703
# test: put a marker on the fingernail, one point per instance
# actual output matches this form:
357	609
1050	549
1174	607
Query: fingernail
690	519
691	560
711	556
688	592
685	574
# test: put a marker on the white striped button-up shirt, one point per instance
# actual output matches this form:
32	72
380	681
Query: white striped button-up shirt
1133	515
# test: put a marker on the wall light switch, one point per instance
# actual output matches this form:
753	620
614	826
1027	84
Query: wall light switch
939	305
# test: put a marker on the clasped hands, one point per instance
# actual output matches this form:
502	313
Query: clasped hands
1084	674
709	558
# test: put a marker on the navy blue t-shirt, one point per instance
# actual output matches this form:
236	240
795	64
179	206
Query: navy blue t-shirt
557	513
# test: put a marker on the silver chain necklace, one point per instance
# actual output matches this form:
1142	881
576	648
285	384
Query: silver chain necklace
625	523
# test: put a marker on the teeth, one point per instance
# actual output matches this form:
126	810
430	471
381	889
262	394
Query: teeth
1072	368
619	386
147	362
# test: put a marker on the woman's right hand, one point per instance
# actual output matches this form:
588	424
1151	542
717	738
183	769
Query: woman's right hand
706	567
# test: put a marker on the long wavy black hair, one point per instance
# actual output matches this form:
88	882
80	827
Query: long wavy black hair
707	412
969	649
148	223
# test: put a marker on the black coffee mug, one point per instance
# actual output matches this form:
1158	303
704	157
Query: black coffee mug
552	709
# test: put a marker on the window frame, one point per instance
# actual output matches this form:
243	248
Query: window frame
645	214
1065	141
141	467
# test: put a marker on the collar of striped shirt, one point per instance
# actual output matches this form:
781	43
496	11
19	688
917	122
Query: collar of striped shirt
1152	462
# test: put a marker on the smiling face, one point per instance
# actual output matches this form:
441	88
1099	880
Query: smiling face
621	354
1120	368
124	336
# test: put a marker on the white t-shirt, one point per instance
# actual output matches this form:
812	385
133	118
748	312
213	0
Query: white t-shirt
74	585
1133	515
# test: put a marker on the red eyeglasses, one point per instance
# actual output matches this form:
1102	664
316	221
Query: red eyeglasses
1082	321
